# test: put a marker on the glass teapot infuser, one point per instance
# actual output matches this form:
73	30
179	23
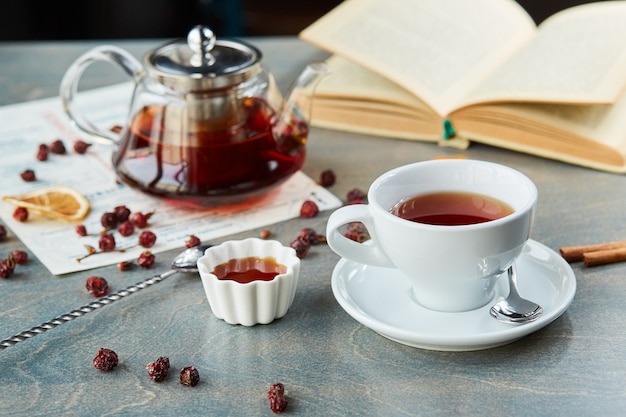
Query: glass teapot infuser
206	118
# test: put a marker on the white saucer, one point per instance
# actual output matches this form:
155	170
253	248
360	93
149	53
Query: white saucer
380	299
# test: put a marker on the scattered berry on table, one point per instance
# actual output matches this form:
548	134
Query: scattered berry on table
310	235
141	219
124	265
189	376
20	214
357	231
97	286
7	266
265	234
28	175
81	230
126	228
147	239
327	178
42	152
108	220
309	209
276	395
58	147
122	213
105	360
157	370
107	242
192	242
19	256
355	196
278	404
80	147
146	259
301	246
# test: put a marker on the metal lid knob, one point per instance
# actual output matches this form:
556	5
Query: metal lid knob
201	41
203	62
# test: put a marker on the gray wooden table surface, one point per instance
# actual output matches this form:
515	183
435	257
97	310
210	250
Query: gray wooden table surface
330	364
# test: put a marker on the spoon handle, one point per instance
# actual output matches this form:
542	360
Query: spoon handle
81	311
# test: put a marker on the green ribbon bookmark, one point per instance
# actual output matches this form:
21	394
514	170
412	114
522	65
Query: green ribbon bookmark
448	130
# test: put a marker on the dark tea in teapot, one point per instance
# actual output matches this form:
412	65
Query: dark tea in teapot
207	121
208	158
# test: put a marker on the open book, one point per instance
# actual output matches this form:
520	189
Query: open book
480	70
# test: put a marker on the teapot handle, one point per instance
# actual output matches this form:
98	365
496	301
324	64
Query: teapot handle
69	85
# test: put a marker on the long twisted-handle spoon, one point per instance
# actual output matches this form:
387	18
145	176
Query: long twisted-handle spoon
185	262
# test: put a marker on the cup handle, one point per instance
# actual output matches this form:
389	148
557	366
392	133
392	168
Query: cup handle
368	254
69	85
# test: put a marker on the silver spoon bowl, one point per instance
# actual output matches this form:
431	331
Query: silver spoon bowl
184	262
514	308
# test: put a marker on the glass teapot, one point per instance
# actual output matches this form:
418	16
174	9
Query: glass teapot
206	122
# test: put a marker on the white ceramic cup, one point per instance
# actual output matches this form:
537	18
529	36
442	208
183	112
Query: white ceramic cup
450	268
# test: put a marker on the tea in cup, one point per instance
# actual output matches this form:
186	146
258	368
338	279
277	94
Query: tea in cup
451	227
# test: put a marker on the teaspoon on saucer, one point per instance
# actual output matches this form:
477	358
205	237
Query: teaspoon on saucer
514	308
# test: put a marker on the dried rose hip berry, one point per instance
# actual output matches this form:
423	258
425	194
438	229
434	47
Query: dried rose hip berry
124	265
126	228
356	195
81	230
106	242
105	360
146	259
157	370
276	395
97	286
19	256
42	152
357	231
140	219
7	266
122	213
58	147
81	147
189	376
147	239
3	233
310	235
301	246
20	214
309	209
278	404
327	178
108	220
192	242
28	175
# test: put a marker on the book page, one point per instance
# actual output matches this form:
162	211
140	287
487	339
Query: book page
350	81
577	56
437	50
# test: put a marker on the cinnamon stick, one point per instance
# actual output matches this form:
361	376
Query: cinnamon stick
604	257
576	253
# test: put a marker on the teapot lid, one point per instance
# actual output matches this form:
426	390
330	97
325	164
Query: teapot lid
203	62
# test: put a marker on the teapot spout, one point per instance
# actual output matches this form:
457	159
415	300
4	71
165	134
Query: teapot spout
290	128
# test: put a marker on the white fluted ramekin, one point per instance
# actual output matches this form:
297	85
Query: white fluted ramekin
256	302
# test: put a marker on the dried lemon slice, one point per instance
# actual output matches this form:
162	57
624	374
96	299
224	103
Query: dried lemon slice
58	201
